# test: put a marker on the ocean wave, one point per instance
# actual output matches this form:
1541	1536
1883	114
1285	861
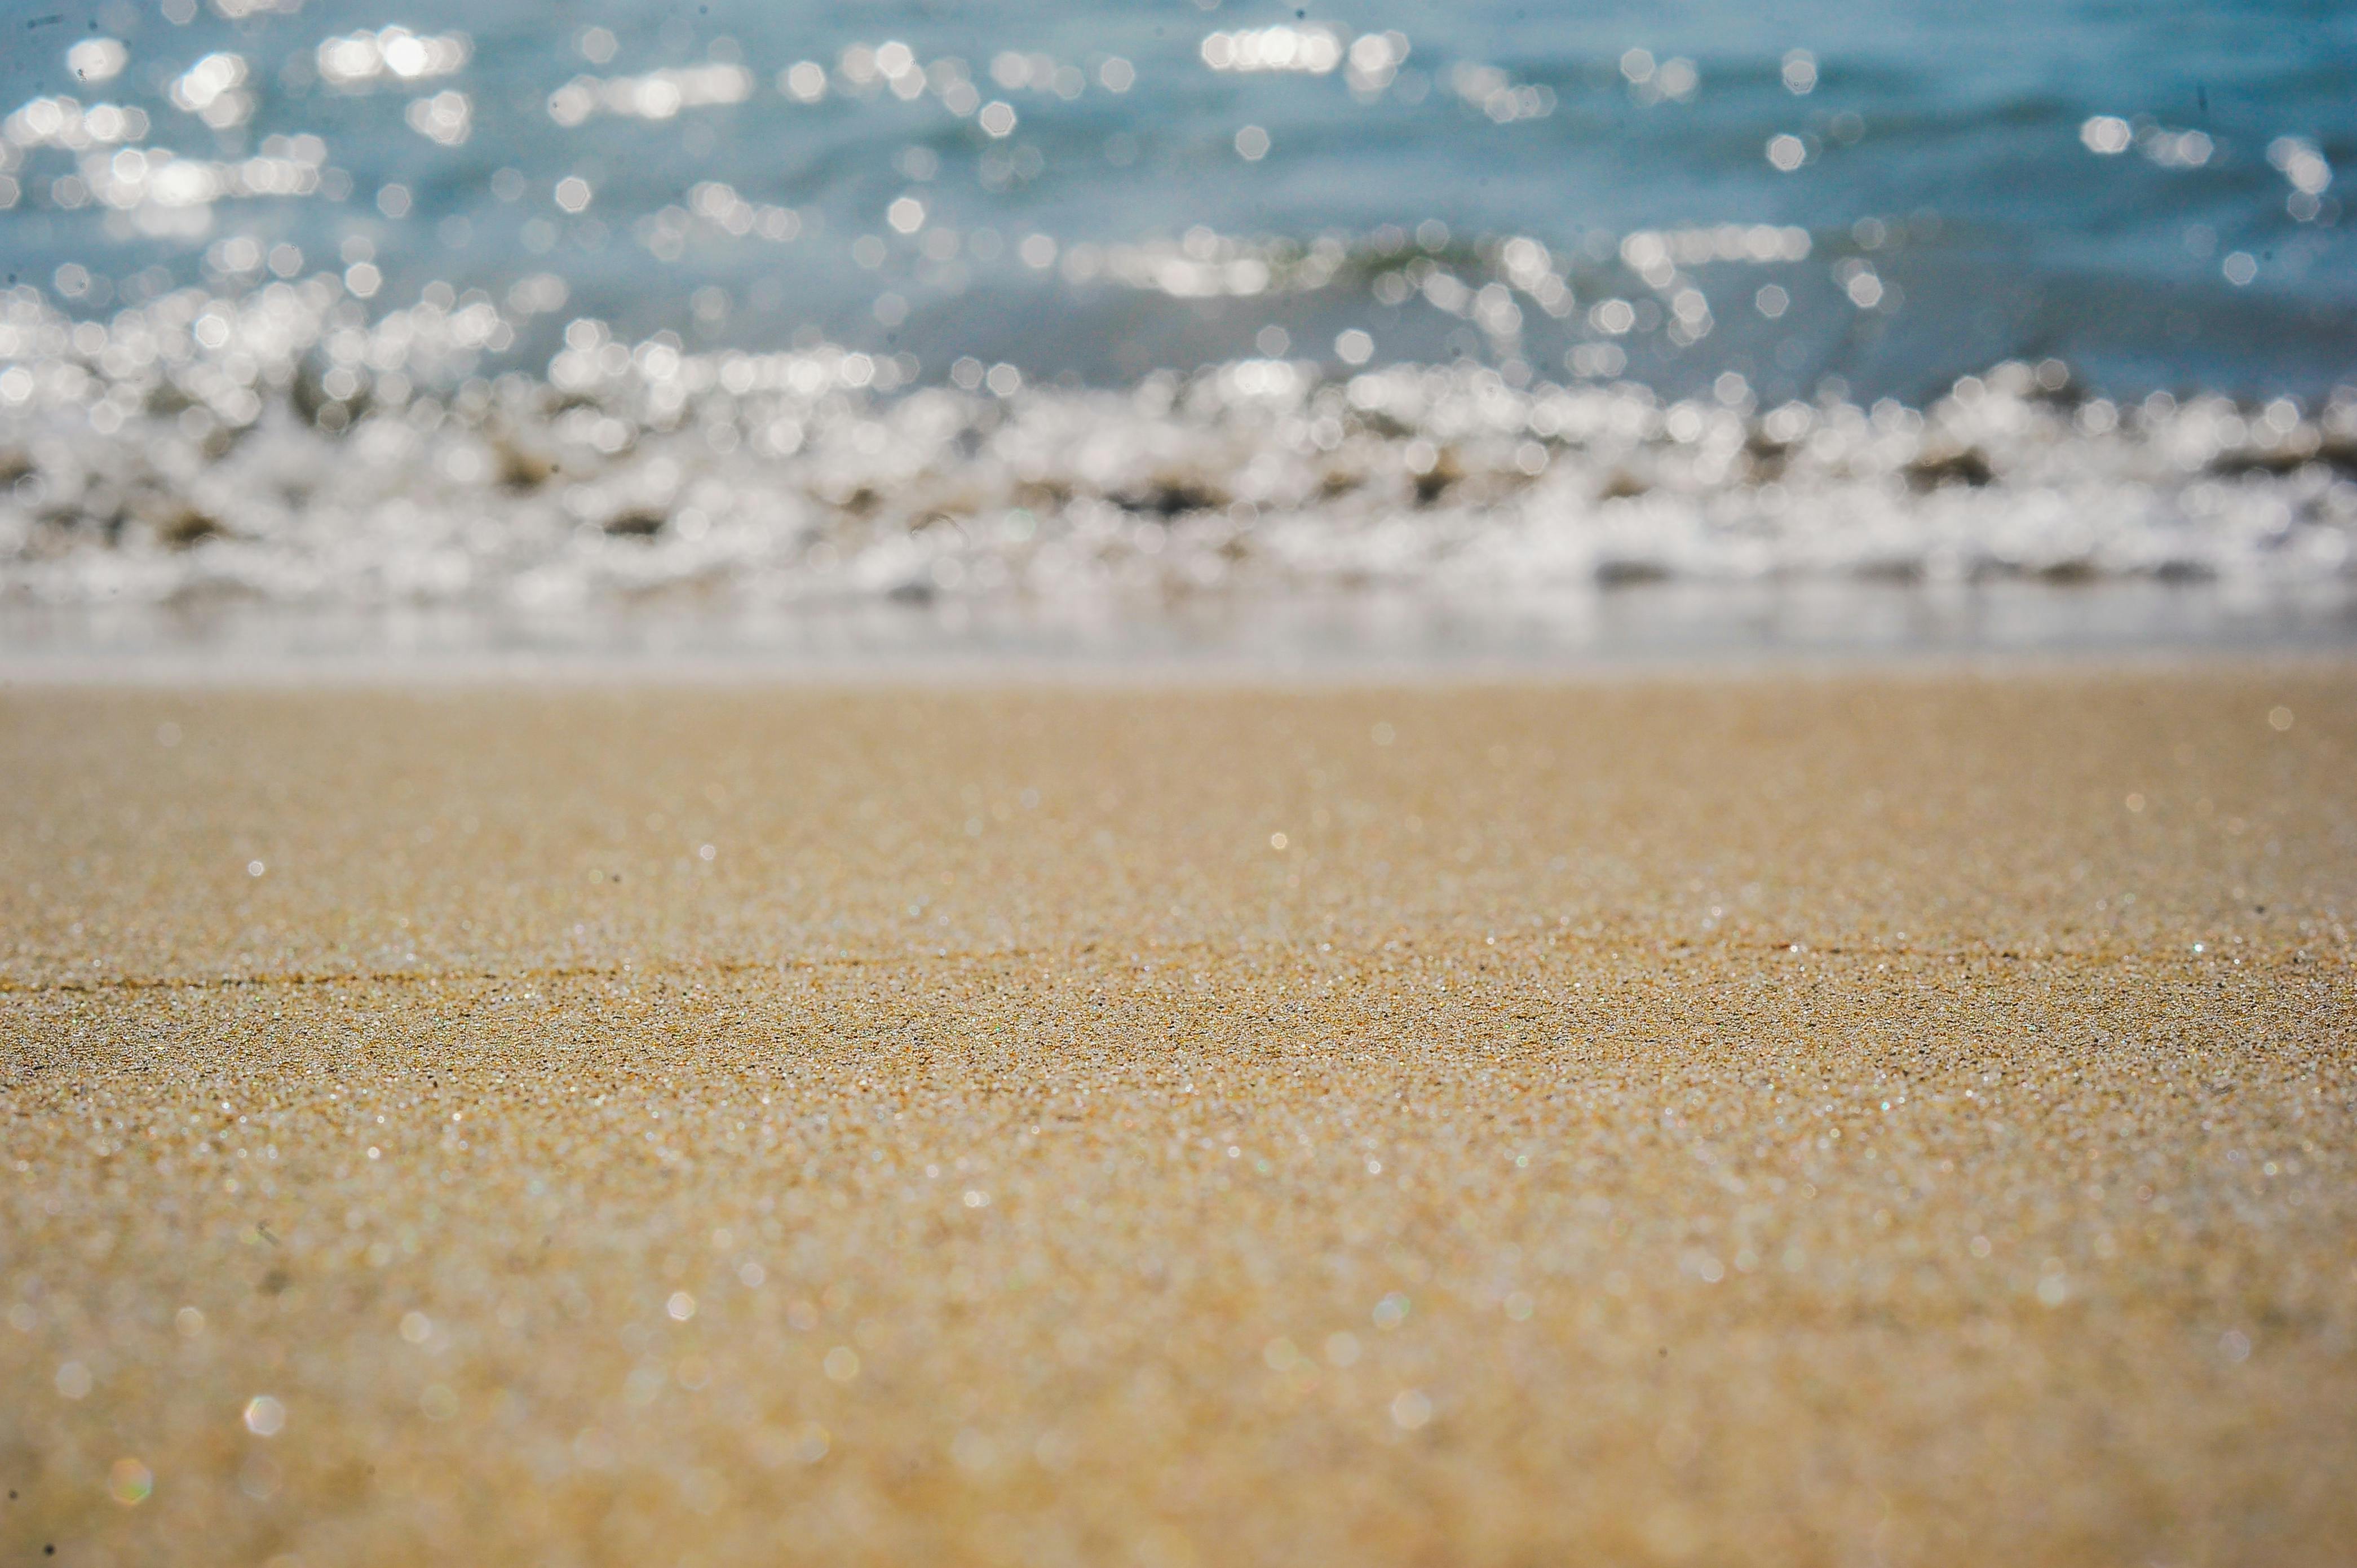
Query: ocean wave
284	446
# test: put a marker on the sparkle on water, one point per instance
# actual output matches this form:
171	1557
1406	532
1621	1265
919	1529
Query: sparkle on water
290	355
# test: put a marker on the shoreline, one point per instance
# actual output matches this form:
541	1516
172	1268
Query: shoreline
1695	631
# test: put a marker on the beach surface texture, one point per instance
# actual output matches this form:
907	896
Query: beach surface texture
1796	1118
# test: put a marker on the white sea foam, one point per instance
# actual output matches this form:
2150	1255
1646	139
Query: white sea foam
286	447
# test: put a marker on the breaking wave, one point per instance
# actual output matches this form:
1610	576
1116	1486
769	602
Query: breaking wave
202	446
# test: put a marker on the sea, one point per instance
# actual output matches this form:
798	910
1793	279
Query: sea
1079	326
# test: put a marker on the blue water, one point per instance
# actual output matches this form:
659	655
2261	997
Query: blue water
1944	152
753	311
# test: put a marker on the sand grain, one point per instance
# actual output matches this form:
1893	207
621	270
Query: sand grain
1794	1121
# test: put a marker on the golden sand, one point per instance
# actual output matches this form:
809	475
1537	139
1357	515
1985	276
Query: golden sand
1898	1120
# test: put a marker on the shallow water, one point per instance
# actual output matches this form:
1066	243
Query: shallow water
431	304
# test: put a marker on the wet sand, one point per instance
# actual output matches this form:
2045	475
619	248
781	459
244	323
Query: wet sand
1800	1119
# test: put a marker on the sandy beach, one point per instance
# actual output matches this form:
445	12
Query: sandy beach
1805	1118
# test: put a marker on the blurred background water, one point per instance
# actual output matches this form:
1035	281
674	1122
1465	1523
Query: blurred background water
1948	148
1712	291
